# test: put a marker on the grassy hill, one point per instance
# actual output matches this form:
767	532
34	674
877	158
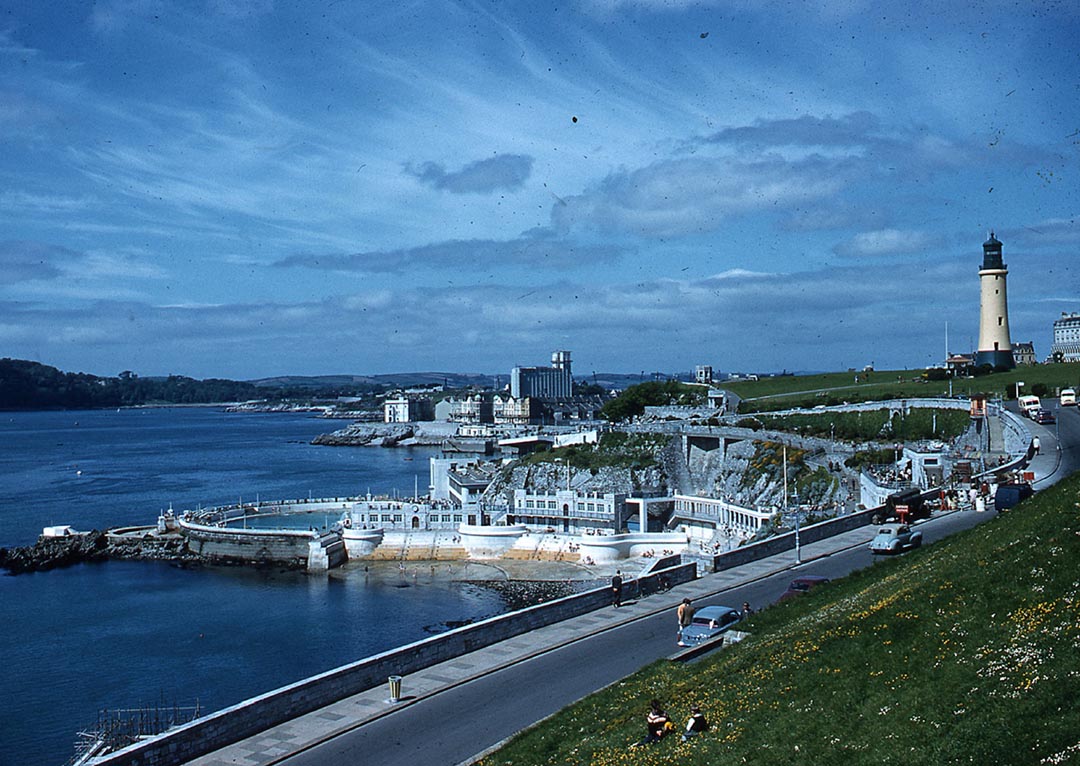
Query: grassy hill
967	651
837	387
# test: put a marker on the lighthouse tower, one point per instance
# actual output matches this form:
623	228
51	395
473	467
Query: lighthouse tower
995	347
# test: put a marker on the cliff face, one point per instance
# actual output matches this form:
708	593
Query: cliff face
747	473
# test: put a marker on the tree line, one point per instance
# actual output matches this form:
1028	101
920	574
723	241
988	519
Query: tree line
26	385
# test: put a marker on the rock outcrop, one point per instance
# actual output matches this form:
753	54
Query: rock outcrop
83	547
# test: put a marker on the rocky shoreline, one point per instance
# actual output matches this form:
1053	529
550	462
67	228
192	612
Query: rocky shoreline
88	547
519	594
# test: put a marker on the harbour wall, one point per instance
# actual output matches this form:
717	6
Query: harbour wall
280	546
215	731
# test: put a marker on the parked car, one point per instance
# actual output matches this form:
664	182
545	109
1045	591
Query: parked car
1042	417
894	538
802	584
1008	495
709	621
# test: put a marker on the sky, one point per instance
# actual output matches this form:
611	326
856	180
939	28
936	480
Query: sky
250	188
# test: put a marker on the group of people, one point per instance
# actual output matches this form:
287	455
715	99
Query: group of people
659	725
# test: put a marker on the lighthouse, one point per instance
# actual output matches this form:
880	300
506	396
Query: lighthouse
995	346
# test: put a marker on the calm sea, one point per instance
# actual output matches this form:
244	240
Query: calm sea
126	634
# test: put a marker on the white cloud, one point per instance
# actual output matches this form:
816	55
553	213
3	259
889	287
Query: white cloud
885	242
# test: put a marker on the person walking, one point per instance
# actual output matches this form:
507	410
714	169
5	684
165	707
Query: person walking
685	613
616	589
1036	445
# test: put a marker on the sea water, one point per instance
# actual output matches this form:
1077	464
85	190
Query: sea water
130	634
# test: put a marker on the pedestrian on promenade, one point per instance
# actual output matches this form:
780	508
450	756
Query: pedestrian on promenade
616	589
685	613
1036	445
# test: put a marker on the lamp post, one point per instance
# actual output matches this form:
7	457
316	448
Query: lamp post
798	556
787	514
1019	385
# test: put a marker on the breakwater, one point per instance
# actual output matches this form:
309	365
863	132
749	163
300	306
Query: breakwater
94	546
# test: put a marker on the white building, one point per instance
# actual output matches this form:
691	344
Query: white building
703	517
407	409
1066	346
570	511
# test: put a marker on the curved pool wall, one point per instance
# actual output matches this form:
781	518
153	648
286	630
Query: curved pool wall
361	542
490	542
608	548
296	548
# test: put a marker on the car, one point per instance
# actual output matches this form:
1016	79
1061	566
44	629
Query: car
1043	417
894	538
708	622
1067	398
1008	495
802	584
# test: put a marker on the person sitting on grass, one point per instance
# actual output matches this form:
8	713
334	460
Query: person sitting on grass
695	724
657	723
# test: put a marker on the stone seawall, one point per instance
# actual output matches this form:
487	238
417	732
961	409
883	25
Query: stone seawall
285	547
212	732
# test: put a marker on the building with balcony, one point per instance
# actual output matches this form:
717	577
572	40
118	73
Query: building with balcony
704	517
1066	346
570	511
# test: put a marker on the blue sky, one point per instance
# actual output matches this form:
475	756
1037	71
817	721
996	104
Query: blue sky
251	188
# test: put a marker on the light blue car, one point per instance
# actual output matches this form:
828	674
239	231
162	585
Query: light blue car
894	538
709	621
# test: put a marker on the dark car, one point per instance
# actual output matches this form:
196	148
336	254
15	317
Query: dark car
1043	417
1008	495
802	584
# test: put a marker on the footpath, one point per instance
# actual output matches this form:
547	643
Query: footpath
278	743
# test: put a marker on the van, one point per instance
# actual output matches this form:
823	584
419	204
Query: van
1029	405
1008	495
1068	397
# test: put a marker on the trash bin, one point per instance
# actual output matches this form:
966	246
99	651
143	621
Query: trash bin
395	688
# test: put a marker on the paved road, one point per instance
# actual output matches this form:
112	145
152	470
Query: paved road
461	722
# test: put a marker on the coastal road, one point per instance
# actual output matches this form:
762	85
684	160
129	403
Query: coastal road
454	725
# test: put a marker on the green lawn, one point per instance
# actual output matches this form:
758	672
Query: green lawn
967	651
837	387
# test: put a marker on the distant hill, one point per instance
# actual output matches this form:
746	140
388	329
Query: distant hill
392	380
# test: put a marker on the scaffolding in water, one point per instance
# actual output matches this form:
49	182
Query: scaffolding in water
116	729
